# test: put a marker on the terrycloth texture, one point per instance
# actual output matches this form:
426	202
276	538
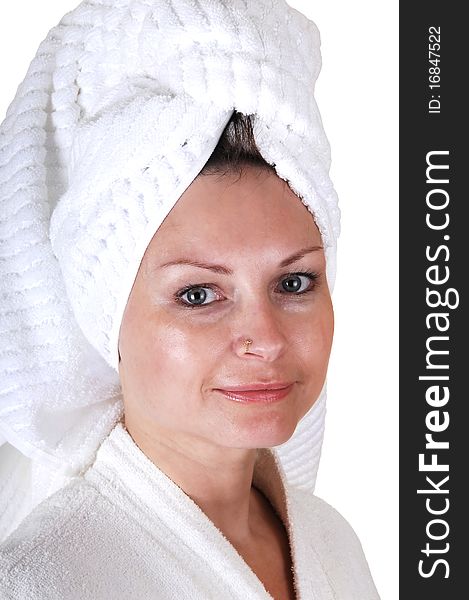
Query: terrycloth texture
126	530
118	113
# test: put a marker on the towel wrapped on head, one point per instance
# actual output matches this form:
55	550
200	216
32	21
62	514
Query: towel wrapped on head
119	111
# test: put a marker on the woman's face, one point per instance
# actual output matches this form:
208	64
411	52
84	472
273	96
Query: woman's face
237	258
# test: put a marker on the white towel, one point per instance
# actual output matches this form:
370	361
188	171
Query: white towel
119	110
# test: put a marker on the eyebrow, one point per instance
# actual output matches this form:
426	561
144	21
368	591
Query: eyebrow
226	271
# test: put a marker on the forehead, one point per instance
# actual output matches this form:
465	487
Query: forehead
233	213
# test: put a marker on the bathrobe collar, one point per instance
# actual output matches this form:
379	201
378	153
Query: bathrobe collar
125	474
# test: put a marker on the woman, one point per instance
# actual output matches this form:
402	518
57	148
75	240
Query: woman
174	251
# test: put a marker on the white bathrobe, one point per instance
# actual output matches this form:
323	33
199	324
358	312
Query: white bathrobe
125	530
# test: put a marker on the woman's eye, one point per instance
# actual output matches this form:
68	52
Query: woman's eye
298	283
204	295
198	295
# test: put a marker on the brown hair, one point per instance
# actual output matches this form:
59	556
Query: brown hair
236	148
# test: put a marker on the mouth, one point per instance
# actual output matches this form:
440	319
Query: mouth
263	393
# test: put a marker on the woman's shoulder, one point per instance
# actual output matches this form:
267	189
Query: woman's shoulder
326	521
79	543
62	543
51	513
334	541
38	551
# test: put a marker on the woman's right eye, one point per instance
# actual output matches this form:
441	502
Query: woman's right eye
197	296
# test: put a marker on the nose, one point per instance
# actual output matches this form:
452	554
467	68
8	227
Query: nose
259	332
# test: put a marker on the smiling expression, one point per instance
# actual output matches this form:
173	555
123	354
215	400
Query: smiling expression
237	258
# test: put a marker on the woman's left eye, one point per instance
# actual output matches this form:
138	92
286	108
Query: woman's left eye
197	296
298	283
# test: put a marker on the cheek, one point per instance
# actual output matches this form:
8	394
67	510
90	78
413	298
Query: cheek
166	352
162	373
170	355
314	339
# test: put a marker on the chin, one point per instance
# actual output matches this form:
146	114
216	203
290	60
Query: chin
277	438
265	433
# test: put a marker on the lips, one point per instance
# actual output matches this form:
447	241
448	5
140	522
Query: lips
257	392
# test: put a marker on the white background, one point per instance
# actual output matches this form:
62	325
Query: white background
357	94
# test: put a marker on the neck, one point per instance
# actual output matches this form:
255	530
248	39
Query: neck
218	480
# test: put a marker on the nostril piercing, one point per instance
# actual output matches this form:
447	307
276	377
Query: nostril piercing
247	345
